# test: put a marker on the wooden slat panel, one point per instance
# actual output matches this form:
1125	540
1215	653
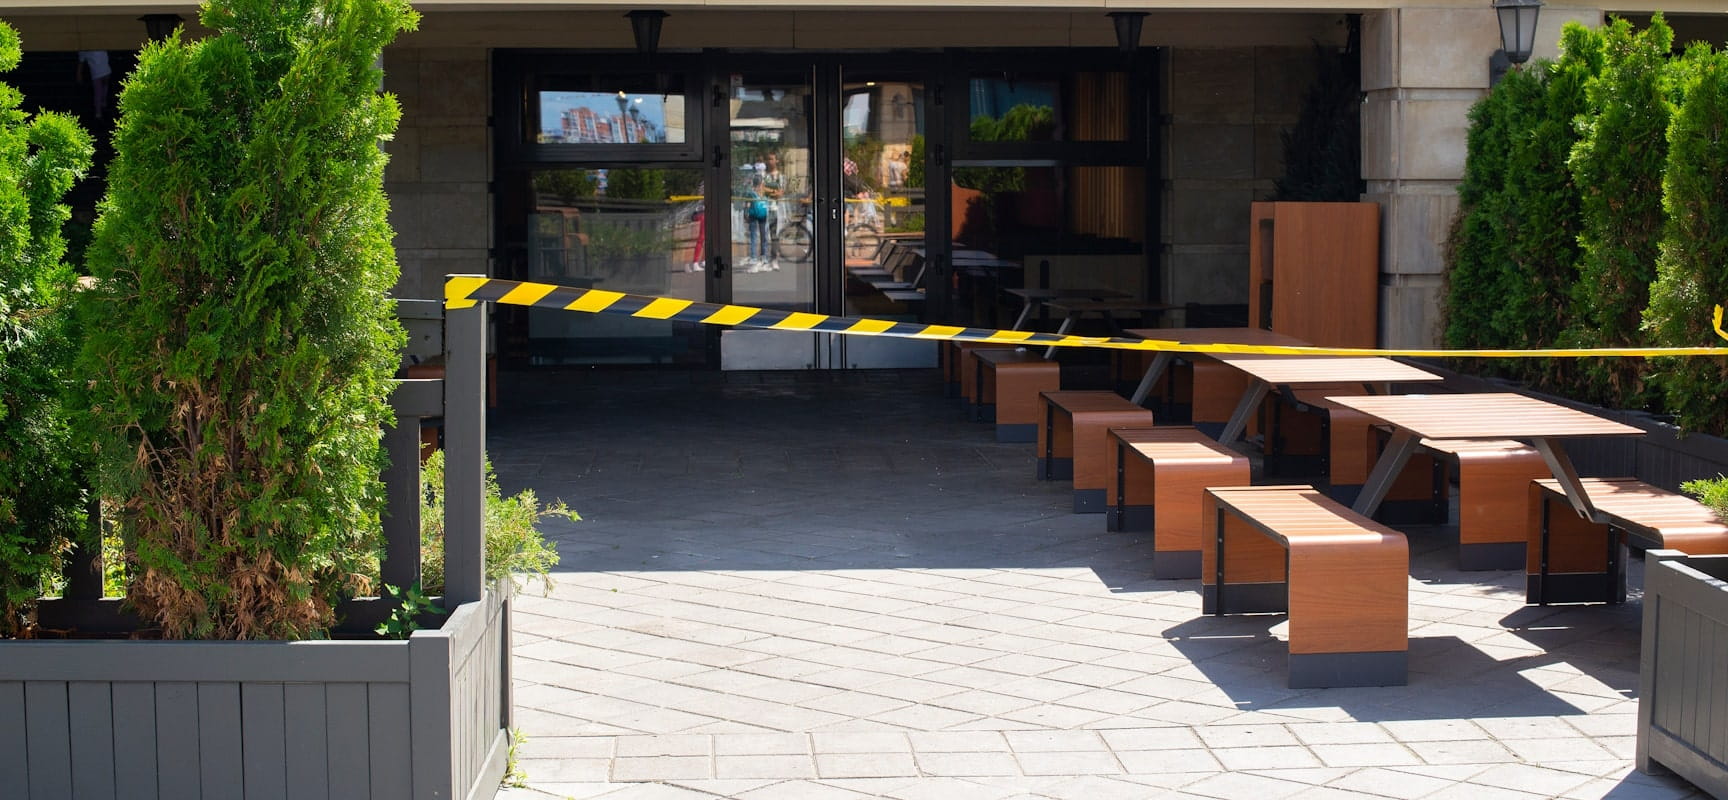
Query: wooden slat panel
279	662
135	738
49	732
390	722
1718	713
14	769
1694	674
347	733
1483	416
1325	281
219	750
90	705
264	759
306	741
177	768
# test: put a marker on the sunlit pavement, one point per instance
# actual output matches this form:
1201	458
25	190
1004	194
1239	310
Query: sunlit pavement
820	586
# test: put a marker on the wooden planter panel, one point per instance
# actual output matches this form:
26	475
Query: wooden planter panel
1682	709
421	718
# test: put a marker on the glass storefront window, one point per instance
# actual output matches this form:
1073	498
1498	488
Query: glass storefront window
1075	107
609	109
633	230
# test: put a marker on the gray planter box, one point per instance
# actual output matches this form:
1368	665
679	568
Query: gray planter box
422	718
1682	704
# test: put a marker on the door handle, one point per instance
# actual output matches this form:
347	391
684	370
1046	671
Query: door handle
719	156
717	266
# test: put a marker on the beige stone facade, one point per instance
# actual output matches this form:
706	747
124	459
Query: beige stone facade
1232	78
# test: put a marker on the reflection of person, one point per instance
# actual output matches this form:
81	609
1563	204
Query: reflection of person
774	190
898	167
756	214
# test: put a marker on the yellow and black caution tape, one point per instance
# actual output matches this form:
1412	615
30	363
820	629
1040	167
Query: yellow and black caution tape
462	292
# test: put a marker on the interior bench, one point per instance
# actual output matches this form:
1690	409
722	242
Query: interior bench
1574	560
1071	439
1159	479
1005	386
1340	576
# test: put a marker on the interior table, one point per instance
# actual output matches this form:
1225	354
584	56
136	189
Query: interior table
1375	373
1545	425
1032	298
1072	309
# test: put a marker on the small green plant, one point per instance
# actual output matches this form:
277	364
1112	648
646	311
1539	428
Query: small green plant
412	604
1712	492
514	777
514	546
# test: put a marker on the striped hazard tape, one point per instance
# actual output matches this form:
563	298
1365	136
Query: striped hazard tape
463	291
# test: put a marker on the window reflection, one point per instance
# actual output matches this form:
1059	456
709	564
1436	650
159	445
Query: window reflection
636	230
609	109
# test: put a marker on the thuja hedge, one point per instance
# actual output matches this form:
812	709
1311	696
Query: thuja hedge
1692	271
1583	175
240	341
41	488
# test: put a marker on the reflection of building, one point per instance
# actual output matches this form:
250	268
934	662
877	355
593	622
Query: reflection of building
583	125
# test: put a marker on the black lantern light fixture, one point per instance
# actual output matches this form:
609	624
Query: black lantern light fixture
1517	35
160	26
1127	29
645	26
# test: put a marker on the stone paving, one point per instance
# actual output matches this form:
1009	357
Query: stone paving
832	586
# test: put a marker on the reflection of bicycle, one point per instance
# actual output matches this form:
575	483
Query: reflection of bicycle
793	241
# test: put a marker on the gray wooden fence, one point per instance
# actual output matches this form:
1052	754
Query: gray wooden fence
426	717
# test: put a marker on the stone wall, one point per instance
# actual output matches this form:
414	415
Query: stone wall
1422	69
440	165
1227	109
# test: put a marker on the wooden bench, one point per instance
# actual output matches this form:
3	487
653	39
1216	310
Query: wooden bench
1160	477
1574	560
1071	440
957	367
1493	478
1341	577
1215	391
1005	386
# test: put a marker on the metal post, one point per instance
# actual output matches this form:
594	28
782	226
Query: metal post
464	453
412	400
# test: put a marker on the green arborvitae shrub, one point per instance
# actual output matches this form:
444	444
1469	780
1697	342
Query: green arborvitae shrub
1692	271
1617	165
1478	248
41	493
241	338
1546	216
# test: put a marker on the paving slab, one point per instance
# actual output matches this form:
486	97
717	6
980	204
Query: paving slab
814	585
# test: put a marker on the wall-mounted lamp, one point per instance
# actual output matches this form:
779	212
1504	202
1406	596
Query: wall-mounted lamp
160	26
645	26
1517	35
1127	29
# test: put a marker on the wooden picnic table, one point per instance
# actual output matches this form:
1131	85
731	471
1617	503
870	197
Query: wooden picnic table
1073	308
1545	425
1163	358
1375	373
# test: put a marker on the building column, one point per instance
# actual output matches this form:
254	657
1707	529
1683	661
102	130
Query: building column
440	165
1422	70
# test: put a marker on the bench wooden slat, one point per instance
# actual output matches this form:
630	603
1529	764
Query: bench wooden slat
1159	481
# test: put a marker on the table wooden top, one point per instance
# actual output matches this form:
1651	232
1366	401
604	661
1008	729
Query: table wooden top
1077	305
1249	336
1090	401
1092	293
1297	370
1483	416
